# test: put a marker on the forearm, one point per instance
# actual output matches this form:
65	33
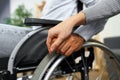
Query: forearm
89	30
102	10
76	20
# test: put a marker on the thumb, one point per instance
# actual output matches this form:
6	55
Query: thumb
48	43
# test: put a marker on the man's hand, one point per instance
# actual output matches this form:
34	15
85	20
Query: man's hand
73	43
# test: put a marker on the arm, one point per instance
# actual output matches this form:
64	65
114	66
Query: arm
64	29
91	29
102	10
74	42
95	16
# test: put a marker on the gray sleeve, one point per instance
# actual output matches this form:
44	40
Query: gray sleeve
102	10
91	29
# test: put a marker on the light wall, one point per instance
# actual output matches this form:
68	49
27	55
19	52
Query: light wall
112	28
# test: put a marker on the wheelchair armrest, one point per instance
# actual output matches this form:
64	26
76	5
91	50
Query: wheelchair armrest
40	22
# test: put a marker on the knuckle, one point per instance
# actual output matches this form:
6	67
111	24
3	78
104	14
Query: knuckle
49	31
56	45
62	37
72	39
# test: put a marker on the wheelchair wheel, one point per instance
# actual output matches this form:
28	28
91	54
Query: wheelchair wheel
52	67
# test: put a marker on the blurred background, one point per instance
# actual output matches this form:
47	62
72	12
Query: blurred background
13	12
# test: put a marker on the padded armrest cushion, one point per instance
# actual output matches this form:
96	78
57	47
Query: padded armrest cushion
40	22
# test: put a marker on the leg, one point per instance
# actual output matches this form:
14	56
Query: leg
9	37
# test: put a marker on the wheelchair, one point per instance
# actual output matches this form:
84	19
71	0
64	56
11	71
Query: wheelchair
31	54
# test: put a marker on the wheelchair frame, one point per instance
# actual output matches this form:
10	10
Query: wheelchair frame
61	58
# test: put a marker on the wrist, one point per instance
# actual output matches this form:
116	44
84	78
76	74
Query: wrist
82	17
82	39
78	19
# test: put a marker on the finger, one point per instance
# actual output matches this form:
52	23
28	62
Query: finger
48	45
65	48
60	47
56	44
57	51
78	48
69	51
48	42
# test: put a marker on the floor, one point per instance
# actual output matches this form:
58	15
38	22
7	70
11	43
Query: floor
93	75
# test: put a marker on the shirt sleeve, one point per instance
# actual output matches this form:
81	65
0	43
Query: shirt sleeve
90	29
102	10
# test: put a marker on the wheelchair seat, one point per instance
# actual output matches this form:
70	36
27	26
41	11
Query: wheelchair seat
34	47
30	52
